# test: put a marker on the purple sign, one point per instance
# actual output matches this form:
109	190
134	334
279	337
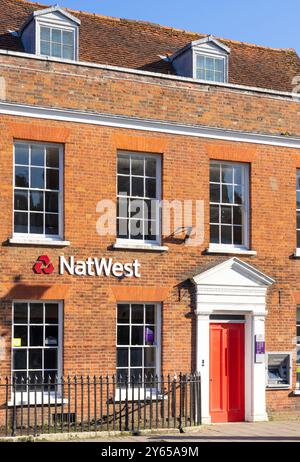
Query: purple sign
260	348
149	336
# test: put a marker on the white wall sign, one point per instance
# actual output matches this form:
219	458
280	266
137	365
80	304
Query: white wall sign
93	266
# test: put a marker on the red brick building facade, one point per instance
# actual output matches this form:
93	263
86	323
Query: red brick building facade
125	95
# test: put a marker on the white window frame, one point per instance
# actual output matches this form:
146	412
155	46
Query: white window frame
142	242
121	392
32	237
36	397
210	54
246	215
56	25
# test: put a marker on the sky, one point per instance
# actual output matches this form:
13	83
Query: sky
273	23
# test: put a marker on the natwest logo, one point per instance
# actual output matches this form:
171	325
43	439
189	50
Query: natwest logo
92	266
98	267
43	265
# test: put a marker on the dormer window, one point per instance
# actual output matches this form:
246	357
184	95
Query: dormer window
58	43
52	32
205	59
210	68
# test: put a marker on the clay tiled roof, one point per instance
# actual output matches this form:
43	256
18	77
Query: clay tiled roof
141	45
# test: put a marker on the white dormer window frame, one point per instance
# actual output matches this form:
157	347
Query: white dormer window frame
62	27
205	54
52	18
185	60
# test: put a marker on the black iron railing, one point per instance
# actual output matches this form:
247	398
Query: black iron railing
99	403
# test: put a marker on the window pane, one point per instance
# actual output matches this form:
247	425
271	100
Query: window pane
298	199
37	155
51	224
52	177
136	357
20	359
219	65
226	237
136	375
238	197
136	229
35	359
150	188
150	167
36	313
237	235
45	33
215	193
215	173
50	358
150	314
227	174
214	234
68	52
68	37
149	358
36	223
137	166
21	222
123	335
56	50
20	313
214	214
137	314
123	185
36	335
137	335
237	215
122	228
227	194
136	208
21	154
36	201
150	230
56	35
37	177
122	357
20	332
226	215
123	314
123	165
21	200
45	48
51	335
22	177
51	313
51	202
137	185
237	175
52	157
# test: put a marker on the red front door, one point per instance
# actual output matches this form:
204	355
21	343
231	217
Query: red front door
227	388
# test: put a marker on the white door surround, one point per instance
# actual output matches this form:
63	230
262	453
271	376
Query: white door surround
233	287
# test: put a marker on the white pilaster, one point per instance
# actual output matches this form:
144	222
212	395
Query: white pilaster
202	362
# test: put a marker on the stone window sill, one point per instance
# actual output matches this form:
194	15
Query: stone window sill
134	246
39	401
43	242
297	253
223	249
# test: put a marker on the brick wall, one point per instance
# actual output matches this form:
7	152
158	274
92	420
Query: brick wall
90	175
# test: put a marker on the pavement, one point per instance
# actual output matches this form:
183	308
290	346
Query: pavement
277	431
